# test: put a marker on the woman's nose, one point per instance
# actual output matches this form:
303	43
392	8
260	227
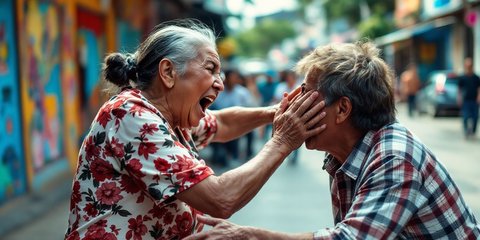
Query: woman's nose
218	84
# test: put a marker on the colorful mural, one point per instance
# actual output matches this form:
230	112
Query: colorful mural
91	44
12	165
70	86
41	90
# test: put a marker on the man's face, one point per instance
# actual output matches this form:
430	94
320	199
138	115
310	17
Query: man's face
322	141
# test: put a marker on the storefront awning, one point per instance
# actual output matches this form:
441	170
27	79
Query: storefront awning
406	33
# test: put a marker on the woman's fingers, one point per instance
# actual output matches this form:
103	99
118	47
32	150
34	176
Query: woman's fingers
303	102
294	93
315	130
315	120
311	112
211	221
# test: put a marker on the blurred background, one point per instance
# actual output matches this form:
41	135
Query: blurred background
51	53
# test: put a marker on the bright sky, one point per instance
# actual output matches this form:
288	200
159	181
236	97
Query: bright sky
260	7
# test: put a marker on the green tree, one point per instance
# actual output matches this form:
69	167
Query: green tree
377	24
257	41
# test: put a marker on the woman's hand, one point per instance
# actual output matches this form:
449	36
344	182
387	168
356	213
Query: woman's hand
221	229
296	121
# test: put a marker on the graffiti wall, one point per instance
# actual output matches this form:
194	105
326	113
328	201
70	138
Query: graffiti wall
41	89
70	86
91	46
12	165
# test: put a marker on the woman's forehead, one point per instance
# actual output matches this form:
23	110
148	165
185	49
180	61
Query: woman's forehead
208	53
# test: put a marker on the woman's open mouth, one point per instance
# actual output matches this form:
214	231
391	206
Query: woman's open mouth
205	102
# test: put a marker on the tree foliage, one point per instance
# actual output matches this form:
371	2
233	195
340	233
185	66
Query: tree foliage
375	25
257	41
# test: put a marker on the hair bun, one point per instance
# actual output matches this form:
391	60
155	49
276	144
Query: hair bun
132	67
119	69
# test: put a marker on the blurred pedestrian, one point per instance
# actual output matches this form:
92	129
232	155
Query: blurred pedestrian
249	81
288	83
385	183
469	98
410	85
139	175
267	90
234	94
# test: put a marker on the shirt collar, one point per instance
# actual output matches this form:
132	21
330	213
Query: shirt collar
351	167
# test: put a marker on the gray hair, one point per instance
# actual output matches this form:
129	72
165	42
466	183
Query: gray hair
178	41
356	71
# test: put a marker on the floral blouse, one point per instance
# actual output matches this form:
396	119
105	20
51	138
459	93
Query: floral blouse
131	165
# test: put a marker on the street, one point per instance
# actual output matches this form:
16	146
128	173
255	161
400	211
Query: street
296	198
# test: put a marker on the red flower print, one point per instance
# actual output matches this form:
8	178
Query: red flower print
97	231
119	113
90	149
104	117
137	228
114	229
73	236
137	109
100	235
149	129
157	211
129	185
114	148
76	197
108	193
188	176
183	163
168	218
101	170
90	210
134	166
183	224
145	148
162	165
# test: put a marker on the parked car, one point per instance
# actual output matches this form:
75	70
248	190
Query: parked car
438	95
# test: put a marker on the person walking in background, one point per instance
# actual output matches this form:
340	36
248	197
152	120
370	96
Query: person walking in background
469	98
410	84
288	83
234	94
267	91
249	81
384	182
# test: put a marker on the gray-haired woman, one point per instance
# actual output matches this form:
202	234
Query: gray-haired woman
139	174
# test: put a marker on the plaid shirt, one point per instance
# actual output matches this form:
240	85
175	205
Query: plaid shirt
392	187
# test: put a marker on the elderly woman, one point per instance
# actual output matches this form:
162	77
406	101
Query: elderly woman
139	173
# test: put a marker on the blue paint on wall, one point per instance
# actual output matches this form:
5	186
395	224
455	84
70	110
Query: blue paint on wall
12	162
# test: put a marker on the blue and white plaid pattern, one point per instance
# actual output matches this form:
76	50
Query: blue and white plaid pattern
392	187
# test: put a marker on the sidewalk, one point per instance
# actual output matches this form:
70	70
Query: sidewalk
38	215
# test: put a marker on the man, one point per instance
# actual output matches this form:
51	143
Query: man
234	94
410	85
469	98
385	183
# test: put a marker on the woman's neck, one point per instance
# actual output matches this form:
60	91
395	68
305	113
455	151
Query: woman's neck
160	102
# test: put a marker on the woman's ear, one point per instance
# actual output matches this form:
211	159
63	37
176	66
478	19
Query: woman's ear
166	71
344	108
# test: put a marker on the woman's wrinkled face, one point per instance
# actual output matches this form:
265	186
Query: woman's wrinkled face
197	88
